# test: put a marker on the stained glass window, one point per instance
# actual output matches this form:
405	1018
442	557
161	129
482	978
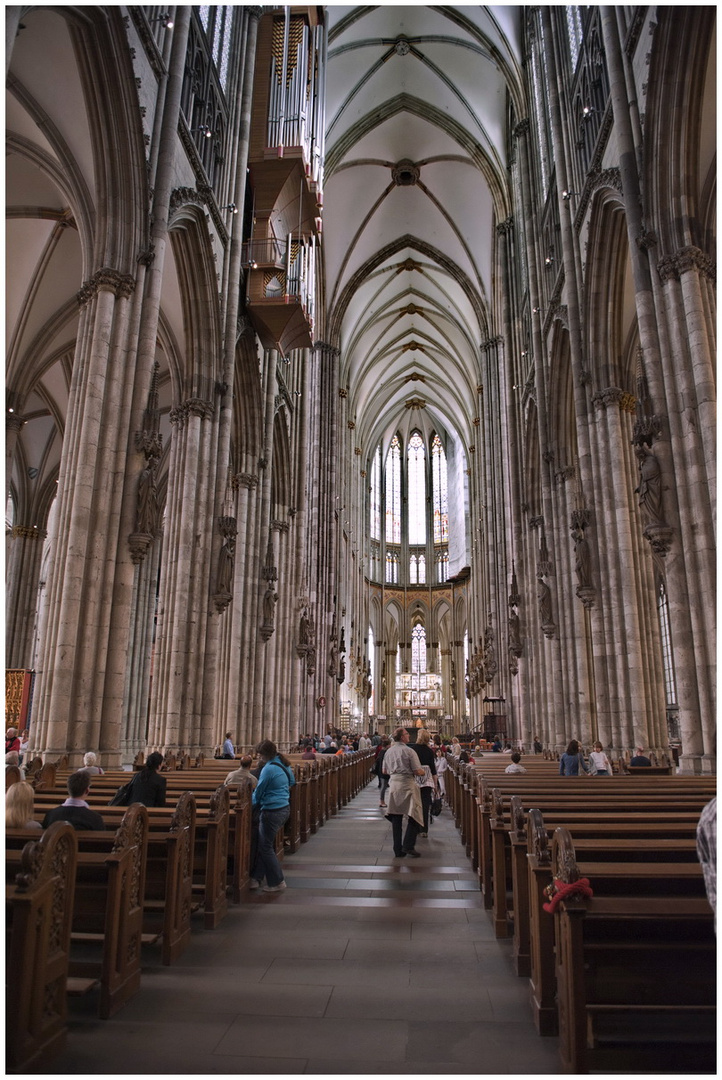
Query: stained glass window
416	461
440	497
574	29
418	649
669	681
392	567
372	671
376	495
393	493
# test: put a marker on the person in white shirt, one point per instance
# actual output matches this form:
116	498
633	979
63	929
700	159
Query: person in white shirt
599	763
402	764
515	767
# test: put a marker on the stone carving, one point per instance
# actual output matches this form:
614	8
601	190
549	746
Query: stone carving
489	665
332	668
150	442
544	596
514	641
650	485
582	558
226	563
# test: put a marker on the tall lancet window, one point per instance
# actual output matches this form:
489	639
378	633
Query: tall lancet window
574	29
375	523
393	493
416	460
441	505
372	671
418	649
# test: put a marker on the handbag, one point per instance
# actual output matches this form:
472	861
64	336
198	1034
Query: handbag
122	795
436	806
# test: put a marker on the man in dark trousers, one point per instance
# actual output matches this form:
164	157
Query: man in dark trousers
75	809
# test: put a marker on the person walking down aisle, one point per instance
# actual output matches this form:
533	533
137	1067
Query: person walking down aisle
381	771
402	764
271	801
428	784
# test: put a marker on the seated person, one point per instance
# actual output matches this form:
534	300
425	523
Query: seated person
13	758
242	772
640	758
309	754
515	767
75	809
19	804
147	786
90	764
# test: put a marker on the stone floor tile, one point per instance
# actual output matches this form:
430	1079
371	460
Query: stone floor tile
338	973
322	1039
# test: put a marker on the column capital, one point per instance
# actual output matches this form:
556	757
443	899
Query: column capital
106	280
687	258
244	479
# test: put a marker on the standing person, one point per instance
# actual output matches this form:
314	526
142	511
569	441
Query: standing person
706	851
229	750
75	809
381	771
272	798
147	787
441	767
428	784
537	745
402	764
572	760
599	763
455	747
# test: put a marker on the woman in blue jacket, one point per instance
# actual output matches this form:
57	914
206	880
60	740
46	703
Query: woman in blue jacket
572	761
271	802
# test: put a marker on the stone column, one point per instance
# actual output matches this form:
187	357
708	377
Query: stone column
176	703
79	700
25	555
140	655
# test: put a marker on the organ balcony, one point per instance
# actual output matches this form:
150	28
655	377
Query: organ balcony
280	290
285	167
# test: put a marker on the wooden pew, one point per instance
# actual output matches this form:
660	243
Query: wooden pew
611	812
636	979
12	776
211	858
108	908
638	844
39	913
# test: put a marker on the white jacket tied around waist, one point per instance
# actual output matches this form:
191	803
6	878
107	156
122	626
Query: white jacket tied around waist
404	795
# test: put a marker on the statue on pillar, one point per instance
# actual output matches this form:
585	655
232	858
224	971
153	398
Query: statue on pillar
270	598
544	595
582	558
650	485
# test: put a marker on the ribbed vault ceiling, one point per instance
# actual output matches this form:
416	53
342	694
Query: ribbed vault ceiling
415	183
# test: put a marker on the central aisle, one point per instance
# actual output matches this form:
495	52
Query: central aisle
365	964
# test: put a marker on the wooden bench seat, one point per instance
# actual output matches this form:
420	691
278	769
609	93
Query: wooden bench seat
605	859
636	979
107	909
39	912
